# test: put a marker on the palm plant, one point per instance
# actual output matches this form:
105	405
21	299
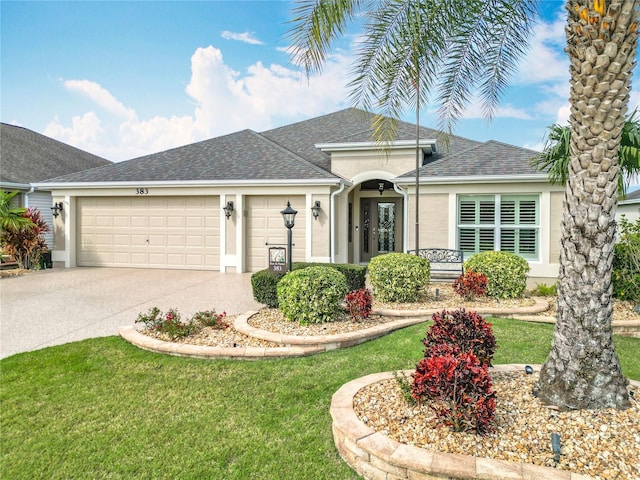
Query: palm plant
11	216
455	48
555	156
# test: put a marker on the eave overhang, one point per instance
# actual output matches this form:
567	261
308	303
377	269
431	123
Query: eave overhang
190	183
427	145
472	179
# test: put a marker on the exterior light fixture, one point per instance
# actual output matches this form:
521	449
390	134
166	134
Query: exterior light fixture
315	210
56	209
289	217
528	369
381	187
555	446
437	294
228	209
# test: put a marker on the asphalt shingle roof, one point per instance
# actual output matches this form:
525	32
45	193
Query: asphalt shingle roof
29	157
244	155
491	158
289	153
349	125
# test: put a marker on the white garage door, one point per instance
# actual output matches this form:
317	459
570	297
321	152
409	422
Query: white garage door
155	232
266	226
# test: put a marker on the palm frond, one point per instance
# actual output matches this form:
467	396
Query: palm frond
316	24
556	154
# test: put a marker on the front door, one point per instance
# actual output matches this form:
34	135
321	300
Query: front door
381	227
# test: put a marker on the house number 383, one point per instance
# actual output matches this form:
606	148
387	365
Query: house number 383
142	191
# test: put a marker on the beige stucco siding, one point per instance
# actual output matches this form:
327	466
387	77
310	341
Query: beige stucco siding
320	228
555	225
434	221
350	165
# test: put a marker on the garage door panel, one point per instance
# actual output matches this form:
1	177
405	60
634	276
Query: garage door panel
139	221
157	222
157	232
265	226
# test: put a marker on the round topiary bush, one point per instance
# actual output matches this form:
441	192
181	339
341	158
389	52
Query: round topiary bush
398	277
312	295
506	273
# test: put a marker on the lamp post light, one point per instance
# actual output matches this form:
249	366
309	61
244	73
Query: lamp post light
289	216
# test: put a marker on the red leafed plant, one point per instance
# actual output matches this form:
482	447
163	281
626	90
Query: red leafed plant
358	304
25	243
466	331
458	389
453	377
470	285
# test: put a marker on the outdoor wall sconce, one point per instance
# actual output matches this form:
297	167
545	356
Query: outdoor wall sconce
315	210
289	217
228	209
381	187
56	209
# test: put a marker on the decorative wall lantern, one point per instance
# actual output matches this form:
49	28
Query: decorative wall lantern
228	209
289	217
315	210
381	187
56	209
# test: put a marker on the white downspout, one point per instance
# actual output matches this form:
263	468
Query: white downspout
405	216
26	196
333	221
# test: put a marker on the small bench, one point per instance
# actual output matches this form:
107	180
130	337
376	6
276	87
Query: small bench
446	264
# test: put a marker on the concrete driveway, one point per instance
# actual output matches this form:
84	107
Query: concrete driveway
56	306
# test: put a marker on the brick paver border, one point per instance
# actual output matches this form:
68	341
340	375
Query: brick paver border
377	457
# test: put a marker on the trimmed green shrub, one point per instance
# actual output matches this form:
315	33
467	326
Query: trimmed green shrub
398	277
264	284
354	274
506	272
312	295
626	262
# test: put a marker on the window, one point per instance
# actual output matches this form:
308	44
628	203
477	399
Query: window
509	223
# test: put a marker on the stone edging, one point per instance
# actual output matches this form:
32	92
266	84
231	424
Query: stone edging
292	346
301	346
326	342
540	305
376	456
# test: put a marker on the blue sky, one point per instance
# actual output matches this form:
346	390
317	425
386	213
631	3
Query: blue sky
122	79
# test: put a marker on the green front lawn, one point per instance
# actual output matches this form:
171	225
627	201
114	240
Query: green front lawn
102	408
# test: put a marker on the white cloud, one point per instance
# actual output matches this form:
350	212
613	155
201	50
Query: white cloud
245	37
84	132
564	112
475	111
546	61
225	101
100	96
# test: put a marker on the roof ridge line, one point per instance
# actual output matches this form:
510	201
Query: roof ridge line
293	155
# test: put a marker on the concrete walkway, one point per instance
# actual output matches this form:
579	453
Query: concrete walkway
52	307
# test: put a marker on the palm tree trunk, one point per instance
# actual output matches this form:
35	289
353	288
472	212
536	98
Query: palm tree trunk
582	370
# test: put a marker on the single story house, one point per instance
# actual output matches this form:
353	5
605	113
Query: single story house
354	200
26	157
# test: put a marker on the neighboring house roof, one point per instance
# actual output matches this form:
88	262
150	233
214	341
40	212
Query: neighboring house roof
244	155
492	158
290	153
29	157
